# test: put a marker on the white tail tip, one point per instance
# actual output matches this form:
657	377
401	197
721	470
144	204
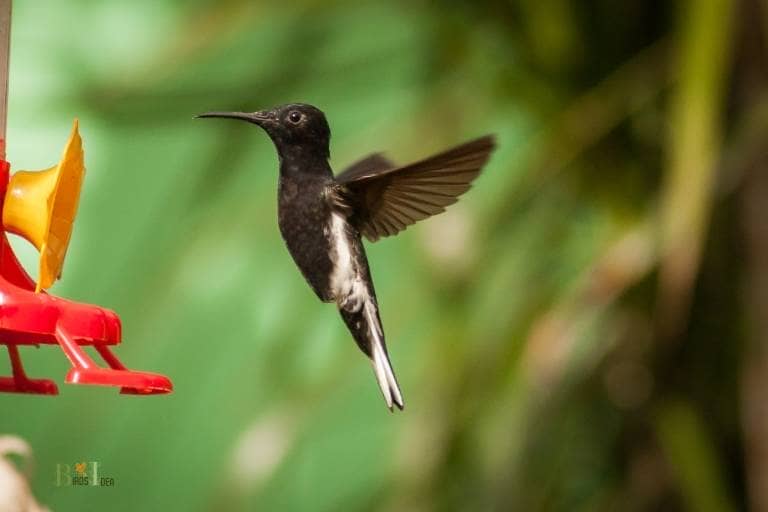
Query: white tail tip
386	378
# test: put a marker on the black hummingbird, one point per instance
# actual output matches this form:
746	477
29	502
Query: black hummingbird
322	217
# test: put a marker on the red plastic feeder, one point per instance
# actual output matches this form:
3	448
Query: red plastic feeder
41	207
30	316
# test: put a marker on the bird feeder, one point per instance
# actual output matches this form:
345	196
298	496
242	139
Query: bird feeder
40	206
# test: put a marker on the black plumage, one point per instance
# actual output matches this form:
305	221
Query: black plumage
322	217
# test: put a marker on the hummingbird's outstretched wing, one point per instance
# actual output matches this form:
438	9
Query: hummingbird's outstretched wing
385	199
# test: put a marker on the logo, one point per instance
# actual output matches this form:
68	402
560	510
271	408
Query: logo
85	474
80	468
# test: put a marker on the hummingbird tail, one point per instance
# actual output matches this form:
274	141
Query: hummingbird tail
386	378
366	328
380	359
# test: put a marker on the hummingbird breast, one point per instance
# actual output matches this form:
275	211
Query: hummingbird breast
322	243
302	215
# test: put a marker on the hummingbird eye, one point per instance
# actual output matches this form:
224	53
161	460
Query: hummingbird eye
295	117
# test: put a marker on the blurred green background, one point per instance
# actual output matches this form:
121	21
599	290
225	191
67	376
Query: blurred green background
585	330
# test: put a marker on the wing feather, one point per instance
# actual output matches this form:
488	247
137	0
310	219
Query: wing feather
386	199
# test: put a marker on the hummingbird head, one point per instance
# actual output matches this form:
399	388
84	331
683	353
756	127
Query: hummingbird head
291	127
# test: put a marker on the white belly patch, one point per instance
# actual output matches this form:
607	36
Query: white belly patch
347	285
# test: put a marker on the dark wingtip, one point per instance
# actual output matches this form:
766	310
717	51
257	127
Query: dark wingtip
489	139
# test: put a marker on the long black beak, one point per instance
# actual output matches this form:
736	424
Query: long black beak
259	118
